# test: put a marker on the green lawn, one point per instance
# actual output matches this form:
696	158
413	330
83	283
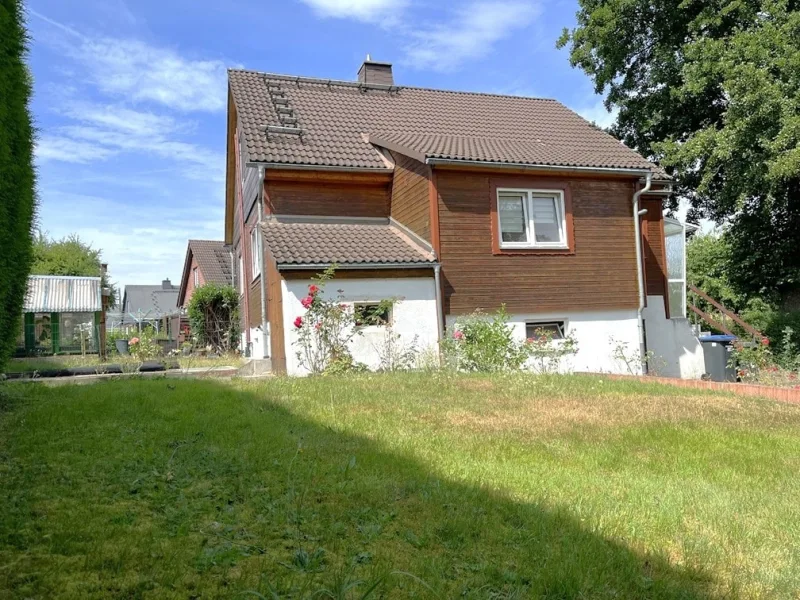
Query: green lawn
46	363
415	486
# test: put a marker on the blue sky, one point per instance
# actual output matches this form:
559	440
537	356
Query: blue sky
130	97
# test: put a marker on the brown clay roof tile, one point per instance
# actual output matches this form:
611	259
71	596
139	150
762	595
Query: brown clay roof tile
305	243
338	120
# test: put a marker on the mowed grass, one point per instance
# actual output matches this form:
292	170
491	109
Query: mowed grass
397	486
66	361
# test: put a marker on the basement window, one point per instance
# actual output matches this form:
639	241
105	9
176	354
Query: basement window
531	218
372	313
538	329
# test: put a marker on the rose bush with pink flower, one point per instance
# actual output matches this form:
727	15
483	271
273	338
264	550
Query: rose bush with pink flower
325	330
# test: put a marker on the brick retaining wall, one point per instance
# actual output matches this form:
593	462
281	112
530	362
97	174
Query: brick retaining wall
782	394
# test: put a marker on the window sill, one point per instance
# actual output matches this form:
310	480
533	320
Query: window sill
534	250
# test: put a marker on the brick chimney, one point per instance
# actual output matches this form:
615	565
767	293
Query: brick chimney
166	284
375	72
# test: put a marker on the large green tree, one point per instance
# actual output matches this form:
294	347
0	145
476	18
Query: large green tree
17	179
711	89
69	255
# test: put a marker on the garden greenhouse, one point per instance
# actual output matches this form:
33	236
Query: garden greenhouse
62	315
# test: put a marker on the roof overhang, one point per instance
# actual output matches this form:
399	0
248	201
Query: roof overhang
356	266
187	263
456	163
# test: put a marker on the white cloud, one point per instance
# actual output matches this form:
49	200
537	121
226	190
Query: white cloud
98	132
369	11
142	72
472	32
65	149
133	69
596	113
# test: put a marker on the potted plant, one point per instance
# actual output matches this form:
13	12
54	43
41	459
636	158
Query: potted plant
122	346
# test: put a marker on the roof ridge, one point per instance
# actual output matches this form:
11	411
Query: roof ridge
356	84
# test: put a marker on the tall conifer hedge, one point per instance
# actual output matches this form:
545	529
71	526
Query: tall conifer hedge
17	178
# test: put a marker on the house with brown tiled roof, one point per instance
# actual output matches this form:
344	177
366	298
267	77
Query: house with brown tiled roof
447	202
207	261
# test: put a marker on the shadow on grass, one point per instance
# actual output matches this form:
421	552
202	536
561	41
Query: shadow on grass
204	489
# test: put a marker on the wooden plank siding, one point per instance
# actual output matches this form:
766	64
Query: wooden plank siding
599	275
254	296
277	338
410	204
653	248
328	198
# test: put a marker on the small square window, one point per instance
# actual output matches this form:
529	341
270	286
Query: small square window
538	329
371	313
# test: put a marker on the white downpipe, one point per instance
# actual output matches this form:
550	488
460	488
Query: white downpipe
637	228
262	281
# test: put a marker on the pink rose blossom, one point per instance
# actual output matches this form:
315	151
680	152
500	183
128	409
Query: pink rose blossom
134	340
307	302
458	335
298	322
312	289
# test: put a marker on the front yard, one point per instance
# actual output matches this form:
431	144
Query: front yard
428	486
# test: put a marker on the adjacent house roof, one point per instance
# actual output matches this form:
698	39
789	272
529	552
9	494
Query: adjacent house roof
343	122
371	242
57	293
213	260
147	302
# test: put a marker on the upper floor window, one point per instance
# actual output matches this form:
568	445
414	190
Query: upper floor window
255	263
196	277
531	218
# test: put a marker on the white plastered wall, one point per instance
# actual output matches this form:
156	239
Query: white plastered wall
258	340
676	350
413	314
593	332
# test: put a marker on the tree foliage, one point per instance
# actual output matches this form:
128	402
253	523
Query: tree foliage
214	317
17	177
69	256
711	89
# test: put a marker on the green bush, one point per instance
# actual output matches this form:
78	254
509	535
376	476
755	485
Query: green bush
484	343
17	177
214	317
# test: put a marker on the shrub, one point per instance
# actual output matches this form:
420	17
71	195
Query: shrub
214	317
325	330
143	346
484	343
758	363
548	353
17	177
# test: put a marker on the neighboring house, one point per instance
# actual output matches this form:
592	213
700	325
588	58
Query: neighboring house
447	202
62	315
149	304
207	261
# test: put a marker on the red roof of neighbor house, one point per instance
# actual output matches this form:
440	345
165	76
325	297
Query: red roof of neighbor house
343	122
213	259
325	242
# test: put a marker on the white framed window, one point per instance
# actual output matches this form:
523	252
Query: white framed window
241	275
195	277
556	330
255	264
531	218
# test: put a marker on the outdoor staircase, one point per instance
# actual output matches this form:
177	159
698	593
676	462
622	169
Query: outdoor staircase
724	319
